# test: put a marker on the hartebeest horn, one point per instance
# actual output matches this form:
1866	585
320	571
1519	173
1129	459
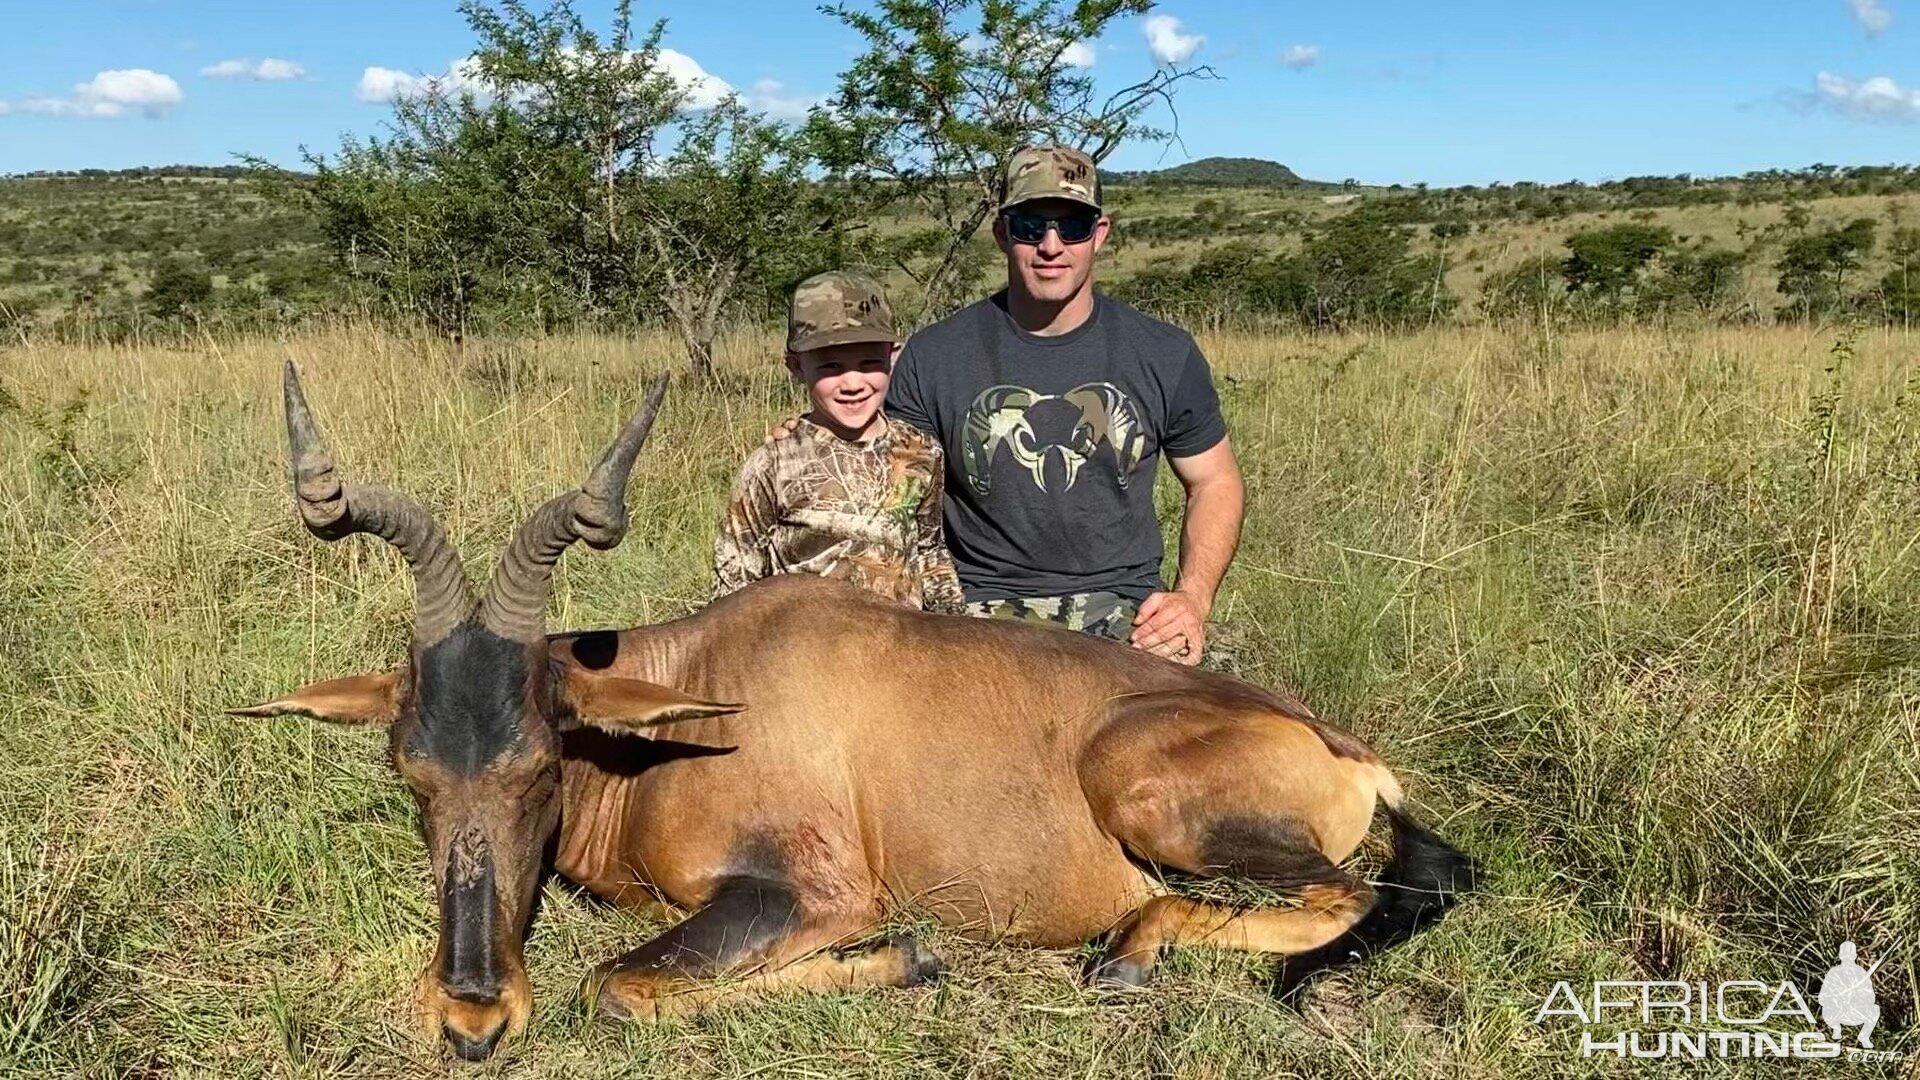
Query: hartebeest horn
332	510
515	606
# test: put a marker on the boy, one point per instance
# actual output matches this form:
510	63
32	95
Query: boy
846	493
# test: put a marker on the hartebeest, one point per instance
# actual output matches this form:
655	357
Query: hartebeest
801	758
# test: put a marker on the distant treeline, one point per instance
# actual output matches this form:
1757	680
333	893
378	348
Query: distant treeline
1424	202
147	172
1362	269
121	251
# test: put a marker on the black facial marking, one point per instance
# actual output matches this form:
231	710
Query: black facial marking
596	649
469	969
473	695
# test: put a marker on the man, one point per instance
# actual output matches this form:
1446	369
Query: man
1053	403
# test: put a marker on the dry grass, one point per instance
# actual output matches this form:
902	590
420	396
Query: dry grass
1636	614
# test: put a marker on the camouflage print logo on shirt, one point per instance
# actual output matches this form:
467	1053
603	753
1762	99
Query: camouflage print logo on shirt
1051	434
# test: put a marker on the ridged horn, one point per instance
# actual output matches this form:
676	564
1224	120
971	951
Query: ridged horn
515	606
331	510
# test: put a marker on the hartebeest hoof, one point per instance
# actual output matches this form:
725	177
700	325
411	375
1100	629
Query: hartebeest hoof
614	994
918	964
1110	971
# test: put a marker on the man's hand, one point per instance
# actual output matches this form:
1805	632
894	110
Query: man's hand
1171	624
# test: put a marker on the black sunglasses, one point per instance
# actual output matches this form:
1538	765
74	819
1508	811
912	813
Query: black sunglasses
1028	227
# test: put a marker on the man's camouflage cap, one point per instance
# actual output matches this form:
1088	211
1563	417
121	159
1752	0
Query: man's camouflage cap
839	307
1050	172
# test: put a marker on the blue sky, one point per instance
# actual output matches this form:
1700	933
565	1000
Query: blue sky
1467	91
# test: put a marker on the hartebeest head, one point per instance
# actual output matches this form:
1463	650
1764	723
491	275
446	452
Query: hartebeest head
476	713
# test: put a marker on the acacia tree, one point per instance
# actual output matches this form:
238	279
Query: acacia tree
1814	266
944	94
734	198
563	174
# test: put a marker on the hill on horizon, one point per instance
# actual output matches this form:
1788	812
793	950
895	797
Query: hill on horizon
1222	172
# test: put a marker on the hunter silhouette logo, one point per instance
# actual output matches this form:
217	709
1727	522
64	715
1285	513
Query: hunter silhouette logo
1846	997
1052	436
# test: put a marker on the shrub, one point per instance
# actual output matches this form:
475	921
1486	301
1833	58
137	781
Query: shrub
1814	266
1529	289
179	290
1607	263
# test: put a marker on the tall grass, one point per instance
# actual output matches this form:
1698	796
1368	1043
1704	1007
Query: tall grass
1635	614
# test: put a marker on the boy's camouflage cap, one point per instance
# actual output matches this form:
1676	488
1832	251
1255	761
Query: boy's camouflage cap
838	307
1051	172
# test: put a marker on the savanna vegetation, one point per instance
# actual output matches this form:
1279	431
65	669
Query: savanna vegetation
171	251
1632	611
1595	507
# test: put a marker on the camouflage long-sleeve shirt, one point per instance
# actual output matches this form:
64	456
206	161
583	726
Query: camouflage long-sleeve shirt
869	513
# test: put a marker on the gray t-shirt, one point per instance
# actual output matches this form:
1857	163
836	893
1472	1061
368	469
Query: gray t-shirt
1053	443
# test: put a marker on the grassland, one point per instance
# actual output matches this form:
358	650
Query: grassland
1635	614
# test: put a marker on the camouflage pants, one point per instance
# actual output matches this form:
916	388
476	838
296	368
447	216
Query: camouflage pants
1102	614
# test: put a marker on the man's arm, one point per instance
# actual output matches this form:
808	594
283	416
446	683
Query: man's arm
1171	623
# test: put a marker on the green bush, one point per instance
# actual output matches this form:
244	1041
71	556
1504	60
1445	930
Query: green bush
1607	263
179	290
1814	267
1531	289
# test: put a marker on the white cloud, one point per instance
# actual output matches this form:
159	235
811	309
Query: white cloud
703	90
1872	15
1079	54
1171	45
1301	57
1878	98
267	70
772	98
109	94
379	84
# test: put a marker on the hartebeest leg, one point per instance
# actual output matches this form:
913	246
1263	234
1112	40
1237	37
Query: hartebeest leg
1331	902
1219	789
753	935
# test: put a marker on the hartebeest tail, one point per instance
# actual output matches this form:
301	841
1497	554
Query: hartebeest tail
1426	876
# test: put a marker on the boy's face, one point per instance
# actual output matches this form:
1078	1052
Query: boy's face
847	383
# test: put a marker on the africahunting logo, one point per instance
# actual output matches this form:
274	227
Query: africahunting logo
1742	1018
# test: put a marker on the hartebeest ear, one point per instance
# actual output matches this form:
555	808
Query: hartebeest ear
356	699
618	706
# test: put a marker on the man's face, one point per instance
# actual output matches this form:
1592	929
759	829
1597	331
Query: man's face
846	382
1052	270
